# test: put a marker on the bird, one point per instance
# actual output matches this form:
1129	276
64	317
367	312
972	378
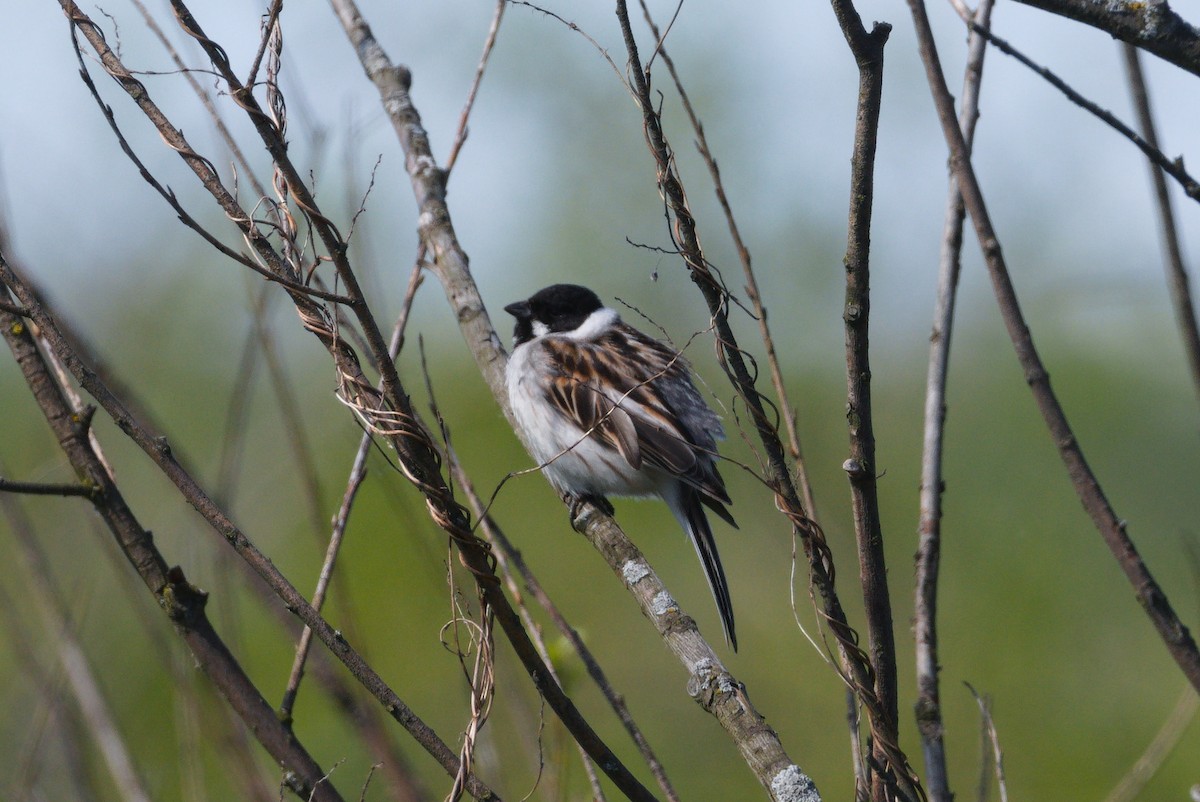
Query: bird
607	410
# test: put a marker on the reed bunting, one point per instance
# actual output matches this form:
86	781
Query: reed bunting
606	410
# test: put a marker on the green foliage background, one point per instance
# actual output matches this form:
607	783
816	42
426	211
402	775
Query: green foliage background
554	181
1033	611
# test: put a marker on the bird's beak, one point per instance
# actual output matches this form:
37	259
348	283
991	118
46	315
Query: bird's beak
519	310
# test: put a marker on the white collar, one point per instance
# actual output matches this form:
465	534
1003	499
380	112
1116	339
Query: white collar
596	324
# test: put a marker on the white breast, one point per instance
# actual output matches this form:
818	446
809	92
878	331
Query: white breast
574	463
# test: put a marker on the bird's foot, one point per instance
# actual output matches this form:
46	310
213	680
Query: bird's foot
577	503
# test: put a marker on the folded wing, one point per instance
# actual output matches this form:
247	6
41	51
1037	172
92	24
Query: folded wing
636	395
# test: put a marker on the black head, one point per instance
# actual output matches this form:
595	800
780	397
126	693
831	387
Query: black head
559	307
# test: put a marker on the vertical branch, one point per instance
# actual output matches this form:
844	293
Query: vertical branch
861	464
1177	276
859	671
318	600
990	741
710	683
1150	596
860	467
928	705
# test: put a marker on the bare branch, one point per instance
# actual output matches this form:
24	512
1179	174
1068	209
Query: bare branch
1112	529
183	603
787	410
1177	275
44	488
713	685
868	48
1172	167
95	712
859	672
490	42
318	600
993	739
1151	26
147	559
928	559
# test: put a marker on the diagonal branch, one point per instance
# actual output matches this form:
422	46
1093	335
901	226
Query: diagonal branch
158	449
1175	635
717	691
1151	26
183	603
1172	167
858	670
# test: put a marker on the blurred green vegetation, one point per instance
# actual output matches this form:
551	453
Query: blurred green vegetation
1033	611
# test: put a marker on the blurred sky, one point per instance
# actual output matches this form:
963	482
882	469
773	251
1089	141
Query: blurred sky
554	142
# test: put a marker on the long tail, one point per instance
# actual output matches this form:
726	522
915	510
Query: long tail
690	513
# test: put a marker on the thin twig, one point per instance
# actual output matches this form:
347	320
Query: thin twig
987	766
147	559
182	602
993	738
1172	167
787	410
13	309
44	488
1154	27
1177	274
1112	529
714	687
318	599
481	675
207	173
575	28
490	42
269	25
928	559
512	562
1159	749
205	100
95	713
